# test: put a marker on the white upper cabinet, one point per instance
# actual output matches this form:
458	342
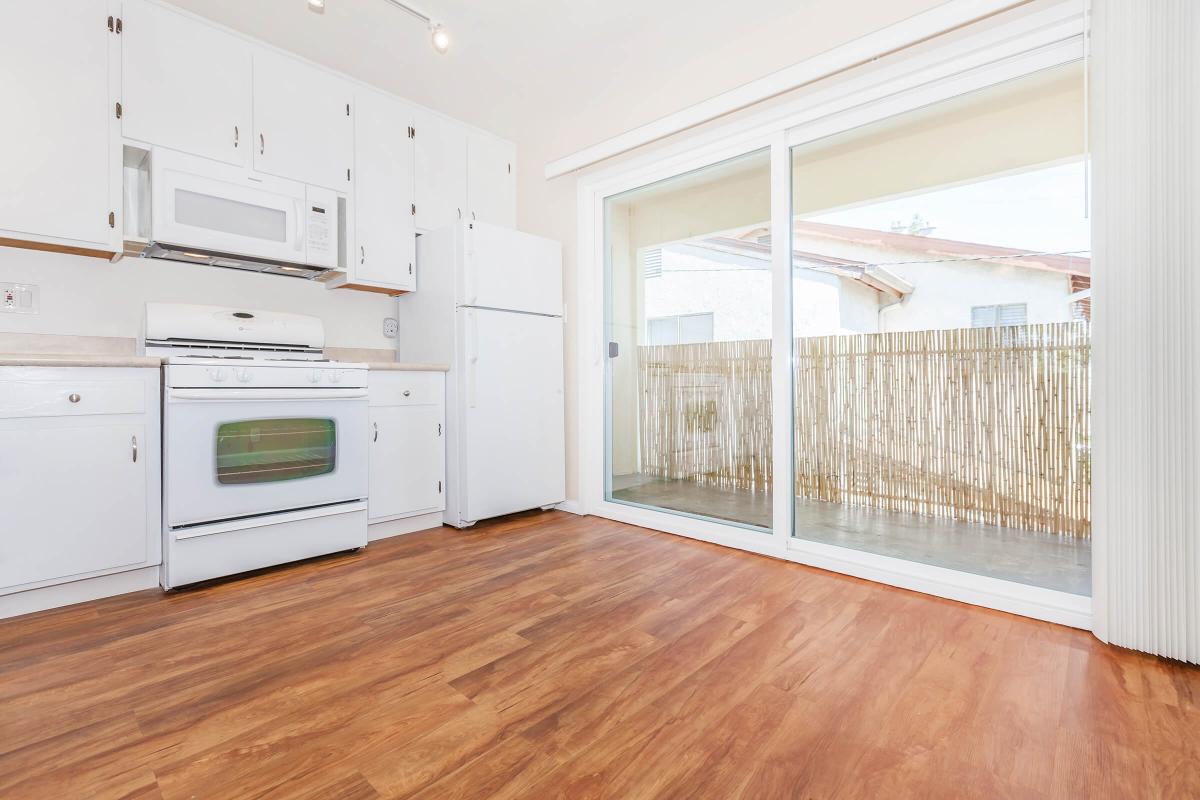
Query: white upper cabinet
385	236
441	174
186	84
60	139
302	124
492	180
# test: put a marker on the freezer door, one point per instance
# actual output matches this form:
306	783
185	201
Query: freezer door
511	449
507	269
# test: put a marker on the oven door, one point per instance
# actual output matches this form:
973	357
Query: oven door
234	453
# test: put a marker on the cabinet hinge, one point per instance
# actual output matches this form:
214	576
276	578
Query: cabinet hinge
412	132
119	110
112	219
110	24
414	209
410	269
439	429
114	25
120	25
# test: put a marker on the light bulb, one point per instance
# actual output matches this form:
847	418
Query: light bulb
439	37
316	6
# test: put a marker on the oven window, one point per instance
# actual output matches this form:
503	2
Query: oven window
274	450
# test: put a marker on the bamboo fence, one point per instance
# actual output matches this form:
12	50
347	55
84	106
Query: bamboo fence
986	425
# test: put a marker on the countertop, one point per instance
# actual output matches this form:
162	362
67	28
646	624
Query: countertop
120	360
402	366
78	360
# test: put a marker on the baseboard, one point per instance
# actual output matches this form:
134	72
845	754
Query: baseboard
399	527
571	507
66	594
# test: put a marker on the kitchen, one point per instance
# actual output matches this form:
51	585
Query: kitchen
226	170
434	398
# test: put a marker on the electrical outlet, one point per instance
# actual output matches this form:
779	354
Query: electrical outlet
391	327
18	298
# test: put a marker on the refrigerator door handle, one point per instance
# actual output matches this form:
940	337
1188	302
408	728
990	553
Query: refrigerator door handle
472	356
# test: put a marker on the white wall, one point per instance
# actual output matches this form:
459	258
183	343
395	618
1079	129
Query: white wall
91	297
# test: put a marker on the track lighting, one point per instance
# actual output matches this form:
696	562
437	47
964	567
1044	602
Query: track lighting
316	6
439	37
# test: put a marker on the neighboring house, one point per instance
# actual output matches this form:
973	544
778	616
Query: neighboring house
853	280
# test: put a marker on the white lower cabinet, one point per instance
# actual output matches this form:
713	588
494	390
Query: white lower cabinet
80	474
408	444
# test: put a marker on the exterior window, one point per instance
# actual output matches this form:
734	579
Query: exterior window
680	329
274	450
999	316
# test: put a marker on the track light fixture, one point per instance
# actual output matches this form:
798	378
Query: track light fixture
439	37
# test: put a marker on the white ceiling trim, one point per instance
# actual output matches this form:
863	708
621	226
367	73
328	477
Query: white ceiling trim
942	19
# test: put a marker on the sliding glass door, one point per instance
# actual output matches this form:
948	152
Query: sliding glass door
688	329
861	339
942	273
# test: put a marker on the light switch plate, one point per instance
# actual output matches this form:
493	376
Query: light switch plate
19	298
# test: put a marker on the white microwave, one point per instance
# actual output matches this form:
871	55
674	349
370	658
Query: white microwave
208	212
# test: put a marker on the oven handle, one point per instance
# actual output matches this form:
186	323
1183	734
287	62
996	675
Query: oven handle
242	395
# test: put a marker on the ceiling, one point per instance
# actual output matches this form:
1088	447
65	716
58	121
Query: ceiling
571	72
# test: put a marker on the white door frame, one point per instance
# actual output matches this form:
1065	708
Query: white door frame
1038	36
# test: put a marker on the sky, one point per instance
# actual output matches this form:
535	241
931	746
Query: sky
1041	210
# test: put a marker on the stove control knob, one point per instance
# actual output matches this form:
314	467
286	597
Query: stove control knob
314	376
243	375
335	376
217	374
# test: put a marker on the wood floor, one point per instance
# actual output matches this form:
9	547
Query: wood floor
549	655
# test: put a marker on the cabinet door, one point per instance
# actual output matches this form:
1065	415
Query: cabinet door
302	123
186	84
59	154
441	173
74	500
385	234
407	460
491	180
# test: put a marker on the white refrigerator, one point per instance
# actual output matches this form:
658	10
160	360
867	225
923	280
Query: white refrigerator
489	303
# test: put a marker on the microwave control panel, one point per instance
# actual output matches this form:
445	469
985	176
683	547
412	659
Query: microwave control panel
321	227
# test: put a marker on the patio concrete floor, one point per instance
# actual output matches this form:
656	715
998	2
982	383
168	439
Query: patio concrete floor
1029	557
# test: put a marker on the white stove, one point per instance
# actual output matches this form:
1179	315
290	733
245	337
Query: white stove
264	441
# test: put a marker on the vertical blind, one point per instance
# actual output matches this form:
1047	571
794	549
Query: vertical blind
1146	423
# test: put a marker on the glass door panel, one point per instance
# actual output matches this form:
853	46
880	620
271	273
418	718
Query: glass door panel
688	304
941	310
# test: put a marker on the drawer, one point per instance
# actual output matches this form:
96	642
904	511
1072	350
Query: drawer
25	398
387	388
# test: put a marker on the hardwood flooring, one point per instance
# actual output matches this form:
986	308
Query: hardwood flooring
548	655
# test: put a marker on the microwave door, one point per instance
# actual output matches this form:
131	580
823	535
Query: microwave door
217	207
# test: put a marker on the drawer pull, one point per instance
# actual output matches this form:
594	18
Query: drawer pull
74	398
407	392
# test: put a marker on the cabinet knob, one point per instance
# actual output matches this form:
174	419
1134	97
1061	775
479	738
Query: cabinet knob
74	398
407	392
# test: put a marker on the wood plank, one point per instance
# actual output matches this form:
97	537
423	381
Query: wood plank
548	655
